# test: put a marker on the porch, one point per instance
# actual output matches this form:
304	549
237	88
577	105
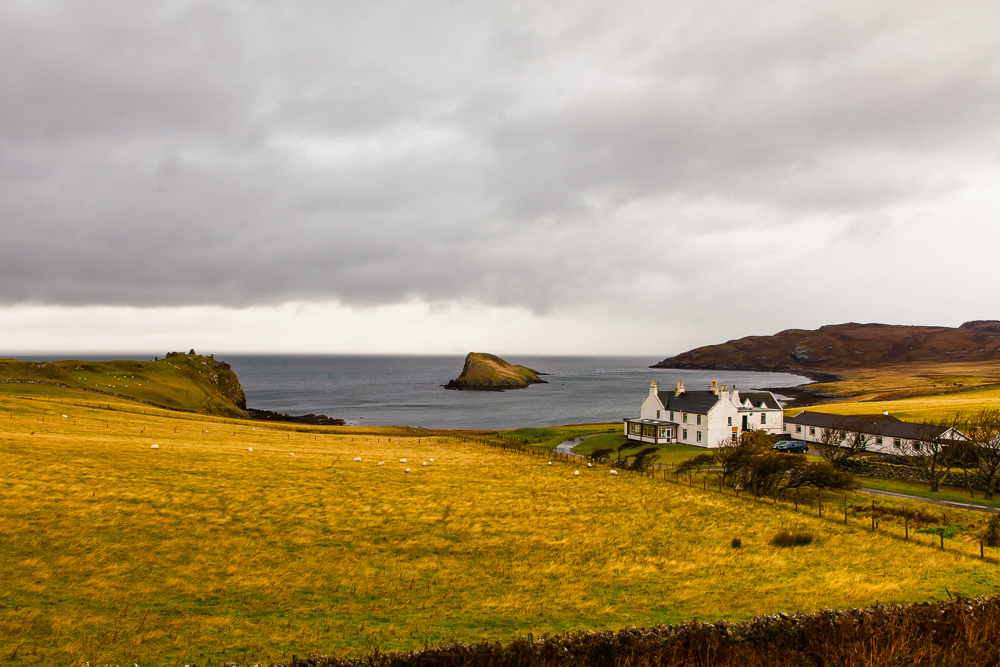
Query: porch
653	431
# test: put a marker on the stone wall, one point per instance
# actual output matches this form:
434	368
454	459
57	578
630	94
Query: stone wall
882	470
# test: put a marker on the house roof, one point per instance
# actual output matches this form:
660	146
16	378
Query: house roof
884	425
758	397
698	402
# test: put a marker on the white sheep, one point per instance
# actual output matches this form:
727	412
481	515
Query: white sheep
431	460
402	460
65	416
424	463
550	462
380	463
576	473
357	459
613	472
249	449
406	470
590	465
154	446
291	453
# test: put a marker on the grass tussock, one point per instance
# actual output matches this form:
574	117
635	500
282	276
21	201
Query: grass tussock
202	551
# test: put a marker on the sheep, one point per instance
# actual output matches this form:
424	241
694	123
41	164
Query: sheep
249	449
431	460
590	465
406	470
291	453
550	462
424	463
380	463
154	446
65	416
357	459
402	460
576	473
613	472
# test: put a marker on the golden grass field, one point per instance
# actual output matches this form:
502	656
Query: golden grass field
923	379
202	551
916	408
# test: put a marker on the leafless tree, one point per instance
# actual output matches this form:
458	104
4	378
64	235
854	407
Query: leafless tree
847	438
932	451
983	431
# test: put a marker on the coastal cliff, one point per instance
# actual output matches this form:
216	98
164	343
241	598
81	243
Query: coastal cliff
488	372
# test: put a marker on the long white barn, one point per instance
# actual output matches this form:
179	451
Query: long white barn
703	418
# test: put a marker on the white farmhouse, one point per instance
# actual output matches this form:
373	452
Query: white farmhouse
703	418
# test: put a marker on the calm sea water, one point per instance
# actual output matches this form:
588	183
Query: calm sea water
406	390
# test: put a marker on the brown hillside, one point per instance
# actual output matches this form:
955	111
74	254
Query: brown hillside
845	346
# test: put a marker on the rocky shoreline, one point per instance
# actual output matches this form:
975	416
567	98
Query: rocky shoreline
310	419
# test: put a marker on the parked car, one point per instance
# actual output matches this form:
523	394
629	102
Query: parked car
790	447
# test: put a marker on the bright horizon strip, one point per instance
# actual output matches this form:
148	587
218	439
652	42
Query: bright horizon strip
326	328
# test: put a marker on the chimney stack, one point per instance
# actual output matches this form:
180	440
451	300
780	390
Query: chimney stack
652	388
680	388
715	387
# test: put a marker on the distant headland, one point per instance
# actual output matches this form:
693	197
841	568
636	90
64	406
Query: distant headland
488	372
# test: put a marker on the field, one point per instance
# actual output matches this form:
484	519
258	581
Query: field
203	551
887	382
916	408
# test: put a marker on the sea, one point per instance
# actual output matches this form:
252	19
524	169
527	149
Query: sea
397	390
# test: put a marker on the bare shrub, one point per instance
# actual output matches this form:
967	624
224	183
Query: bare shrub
783	538
991	534
737	542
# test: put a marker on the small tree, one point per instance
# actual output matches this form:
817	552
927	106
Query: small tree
983	430
847	438
930	451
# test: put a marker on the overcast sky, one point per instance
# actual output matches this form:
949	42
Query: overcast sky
558	177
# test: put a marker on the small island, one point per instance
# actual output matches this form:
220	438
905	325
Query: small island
488	372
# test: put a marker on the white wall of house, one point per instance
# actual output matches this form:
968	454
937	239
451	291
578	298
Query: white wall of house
651	407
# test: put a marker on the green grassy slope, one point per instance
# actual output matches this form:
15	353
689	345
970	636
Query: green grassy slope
188	382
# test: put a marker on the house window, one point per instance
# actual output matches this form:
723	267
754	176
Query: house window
878	440
633	428
663	433
671	415
730	421
685	434
657	414
699	420
916	446
812	430
896	443
763	418
684	417
699	436
798	429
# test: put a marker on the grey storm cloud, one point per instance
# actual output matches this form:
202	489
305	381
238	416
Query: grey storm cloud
512	154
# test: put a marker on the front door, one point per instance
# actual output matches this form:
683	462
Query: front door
745	423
